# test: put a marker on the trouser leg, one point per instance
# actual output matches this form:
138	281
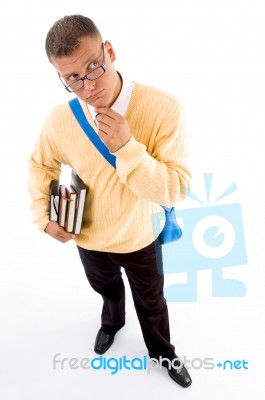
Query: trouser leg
143	269
104	275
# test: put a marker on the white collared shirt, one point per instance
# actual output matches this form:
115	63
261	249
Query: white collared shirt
122	101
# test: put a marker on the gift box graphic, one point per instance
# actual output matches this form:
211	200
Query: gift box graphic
212	239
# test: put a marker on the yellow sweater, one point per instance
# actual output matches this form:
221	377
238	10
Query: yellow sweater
151	170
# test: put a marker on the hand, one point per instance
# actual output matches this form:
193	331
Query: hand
57	232
113	128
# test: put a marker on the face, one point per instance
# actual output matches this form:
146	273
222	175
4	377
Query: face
101	92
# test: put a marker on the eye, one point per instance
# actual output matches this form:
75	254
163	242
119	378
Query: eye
93	65
72	78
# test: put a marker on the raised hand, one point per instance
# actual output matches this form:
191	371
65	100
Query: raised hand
113	128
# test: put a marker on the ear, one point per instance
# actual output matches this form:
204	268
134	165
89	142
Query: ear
110	51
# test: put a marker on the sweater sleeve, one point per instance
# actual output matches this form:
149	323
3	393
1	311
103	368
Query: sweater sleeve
44	166
160	173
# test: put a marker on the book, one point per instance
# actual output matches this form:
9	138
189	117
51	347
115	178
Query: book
70	213
67	203
81	190
54	200
63	204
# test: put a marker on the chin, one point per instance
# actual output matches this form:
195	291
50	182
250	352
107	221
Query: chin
97	103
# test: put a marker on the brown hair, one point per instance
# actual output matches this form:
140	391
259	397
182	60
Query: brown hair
65	35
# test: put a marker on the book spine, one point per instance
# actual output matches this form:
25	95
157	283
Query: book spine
54	200
63	206
70	217
54	207
79	212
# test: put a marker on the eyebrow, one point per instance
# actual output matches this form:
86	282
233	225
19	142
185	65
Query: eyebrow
90	60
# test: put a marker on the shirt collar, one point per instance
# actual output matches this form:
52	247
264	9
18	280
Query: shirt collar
121	103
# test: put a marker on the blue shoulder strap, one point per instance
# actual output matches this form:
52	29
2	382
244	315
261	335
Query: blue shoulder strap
89	131
168	234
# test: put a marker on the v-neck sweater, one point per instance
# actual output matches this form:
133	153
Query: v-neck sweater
151	170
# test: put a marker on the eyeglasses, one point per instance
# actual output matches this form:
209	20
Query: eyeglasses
91	76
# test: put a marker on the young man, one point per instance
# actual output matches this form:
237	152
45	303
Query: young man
143	128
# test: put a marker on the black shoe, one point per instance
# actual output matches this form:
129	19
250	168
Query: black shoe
180	375
103	342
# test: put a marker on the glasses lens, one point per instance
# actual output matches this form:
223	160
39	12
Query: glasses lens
96	73
75	86
92	76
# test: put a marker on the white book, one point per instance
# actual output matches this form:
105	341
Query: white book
54	200
81	191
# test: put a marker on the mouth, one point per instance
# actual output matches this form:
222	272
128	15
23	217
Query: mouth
96	95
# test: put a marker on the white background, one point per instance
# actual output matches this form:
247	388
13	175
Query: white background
210	54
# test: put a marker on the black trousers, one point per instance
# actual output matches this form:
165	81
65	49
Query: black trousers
144	270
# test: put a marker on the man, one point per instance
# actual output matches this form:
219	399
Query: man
143	128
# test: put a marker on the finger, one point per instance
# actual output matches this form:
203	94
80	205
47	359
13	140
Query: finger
61	233
107	111
63	239
105	119
66	235
104	127
57	232
103	135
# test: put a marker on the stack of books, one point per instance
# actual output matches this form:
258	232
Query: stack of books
67	203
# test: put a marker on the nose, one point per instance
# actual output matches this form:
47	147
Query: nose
88	84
